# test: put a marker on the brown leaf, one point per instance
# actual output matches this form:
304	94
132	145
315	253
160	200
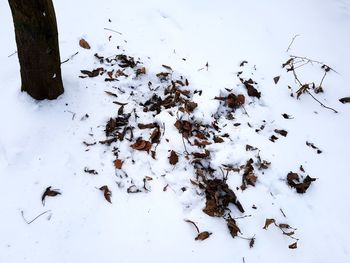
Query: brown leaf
147	126
93	73
268	222
84	44
118	163
106	192
140	71
232	226
141	145
203	235
293	246
49	192
155	136
293	180
173	158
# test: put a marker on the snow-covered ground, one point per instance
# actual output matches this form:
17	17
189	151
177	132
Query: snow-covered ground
41	143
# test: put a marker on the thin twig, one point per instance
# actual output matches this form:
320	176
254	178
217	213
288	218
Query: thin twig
108	29
291	43
193	223
31	221
76	53
12	54
324	106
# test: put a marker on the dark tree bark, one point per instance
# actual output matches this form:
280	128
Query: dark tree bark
37	47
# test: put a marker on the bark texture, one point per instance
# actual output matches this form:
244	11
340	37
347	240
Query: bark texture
37	46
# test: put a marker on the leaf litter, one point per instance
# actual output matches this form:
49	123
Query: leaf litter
170	93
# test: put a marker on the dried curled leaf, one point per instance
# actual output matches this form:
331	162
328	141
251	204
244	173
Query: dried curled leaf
84	44
268	222
106	192
49	192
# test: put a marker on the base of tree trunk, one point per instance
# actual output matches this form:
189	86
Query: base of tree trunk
37	47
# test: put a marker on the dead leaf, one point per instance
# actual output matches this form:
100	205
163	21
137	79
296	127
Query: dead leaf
293	181
293	246
84	44
49	192
118	163
203	235
141	145
173	158
276	79
90	171
281	132
140	71
345	100
232	226
268	222
106	192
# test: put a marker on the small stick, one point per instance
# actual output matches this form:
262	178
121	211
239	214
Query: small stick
29	222
291	43
108	29
324	106
76	53
12	54
193	223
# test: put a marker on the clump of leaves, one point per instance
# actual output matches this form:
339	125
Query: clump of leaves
218	197
294	181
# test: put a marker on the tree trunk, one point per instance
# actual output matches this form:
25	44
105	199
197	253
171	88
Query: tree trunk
37	47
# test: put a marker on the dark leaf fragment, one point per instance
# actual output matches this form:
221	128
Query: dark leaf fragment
345	100
281	132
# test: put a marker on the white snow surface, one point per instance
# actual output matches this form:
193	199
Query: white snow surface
41	142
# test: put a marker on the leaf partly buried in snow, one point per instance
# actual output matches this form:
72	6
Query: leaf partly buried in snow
84	44
106	192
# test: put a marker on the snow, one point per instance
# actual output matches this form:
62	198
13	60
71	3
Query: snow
41	142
